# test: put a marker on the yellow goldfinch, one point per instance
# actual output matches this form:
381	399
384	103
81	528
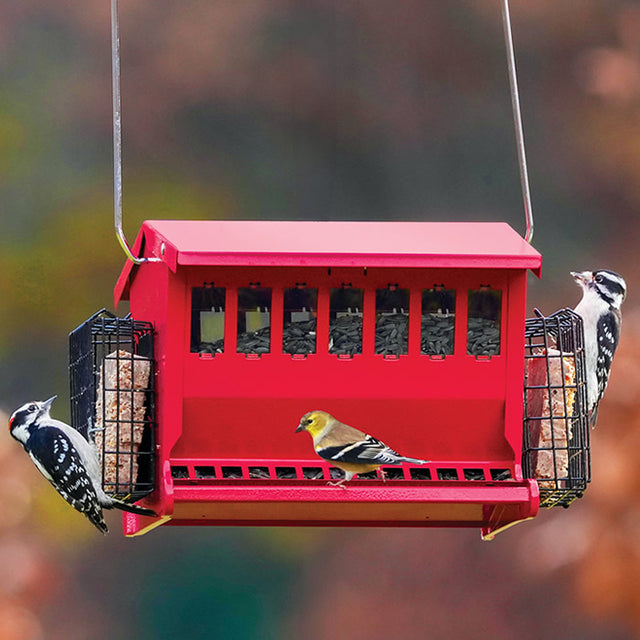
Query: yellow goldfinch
347	448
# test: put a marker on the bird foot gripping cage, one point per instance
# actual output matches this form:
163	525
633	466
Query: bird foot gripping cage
112	399
556	423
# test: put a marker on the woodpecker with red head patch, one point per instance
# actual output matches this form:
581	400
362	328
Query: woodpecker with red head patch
67	460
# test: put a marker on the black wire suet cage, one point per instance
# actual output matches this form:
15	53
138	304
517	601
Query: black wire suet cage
556	422
111	370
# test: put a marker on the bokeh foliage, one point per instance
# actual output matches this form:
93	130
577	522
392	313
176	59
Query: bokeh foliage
313	109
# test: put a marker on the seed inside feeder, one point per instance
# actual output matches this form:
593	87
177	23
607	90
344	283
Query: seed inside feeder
392	334
345	334
437	334
299	337
483	337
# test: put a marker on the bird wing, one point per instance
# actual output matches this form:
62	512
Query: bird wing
608	332
53	449
367	450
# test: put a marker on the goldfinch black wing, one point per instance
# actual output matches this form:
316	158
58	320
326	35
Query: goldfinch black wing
366	451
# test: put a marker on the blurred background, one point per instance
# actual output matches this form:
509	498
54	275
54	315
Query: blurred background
314	109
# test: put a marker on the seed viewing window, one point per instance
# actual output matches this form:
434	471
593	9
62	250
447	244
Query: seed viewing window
392	321
298	317
483	325
254	320
438	321
345	324
207	319
299	329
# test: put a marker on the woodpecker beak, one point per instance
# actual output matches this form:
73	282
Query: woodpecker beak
582	277
300	428
46	405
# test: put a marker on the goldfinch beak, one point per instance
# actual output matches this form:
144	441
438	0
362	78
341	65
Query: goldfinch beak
300	428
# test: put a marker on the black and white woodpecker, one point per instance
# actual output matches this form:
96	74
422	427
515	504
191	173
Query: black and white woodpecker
602	295
67	460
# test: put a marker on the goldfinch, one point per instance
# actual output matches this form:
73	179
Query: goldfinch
347	448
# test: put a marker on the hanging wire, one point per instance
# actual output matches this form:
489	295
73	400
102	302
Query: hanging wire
517	121
117	138
117	130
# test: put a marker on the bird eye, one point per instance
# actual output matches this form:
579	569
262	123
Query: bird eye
599	278
32	407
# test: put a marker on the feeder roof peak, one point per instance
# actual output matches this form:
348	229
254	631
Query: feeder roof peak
229	242
333	243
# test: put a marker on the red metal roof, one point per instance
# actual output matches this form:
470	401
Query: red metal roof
315	243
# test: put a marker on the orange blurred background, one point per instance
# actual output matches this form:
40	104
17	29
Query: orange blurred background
314	109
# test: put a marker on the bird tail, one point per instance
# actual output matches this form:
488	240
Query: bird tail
96	518
412	460
131	508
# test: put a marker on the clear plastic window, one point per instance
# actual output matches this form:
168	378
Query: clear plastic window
299	329
345	321
438	321
392	321
207	319
254	320
483	329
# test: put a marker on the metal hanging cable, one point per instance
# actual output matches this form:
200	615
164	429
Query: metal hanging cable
117	137
117	130
517	121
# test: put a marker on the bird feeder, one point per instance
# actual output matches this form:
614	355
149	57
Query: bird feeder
414	332
411	331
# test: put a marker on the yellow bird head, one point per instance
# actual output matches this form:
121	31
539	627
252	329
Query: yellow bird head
314	422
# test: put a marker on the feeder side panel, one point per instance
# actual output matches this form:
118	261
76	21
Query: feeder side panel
515	321
159	296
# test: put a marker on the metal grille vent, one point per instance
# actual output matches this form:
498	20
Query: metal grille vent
220	471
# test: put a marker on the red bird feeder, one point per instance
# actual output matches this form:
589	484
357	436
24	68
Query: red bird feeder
413	332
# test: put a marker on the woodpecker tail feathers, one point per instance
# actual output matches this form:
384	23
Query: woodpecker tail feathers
131	508
97	520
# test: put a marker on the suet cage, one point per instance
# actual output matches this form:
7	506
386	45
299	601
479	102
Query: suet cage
556	419
113	401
